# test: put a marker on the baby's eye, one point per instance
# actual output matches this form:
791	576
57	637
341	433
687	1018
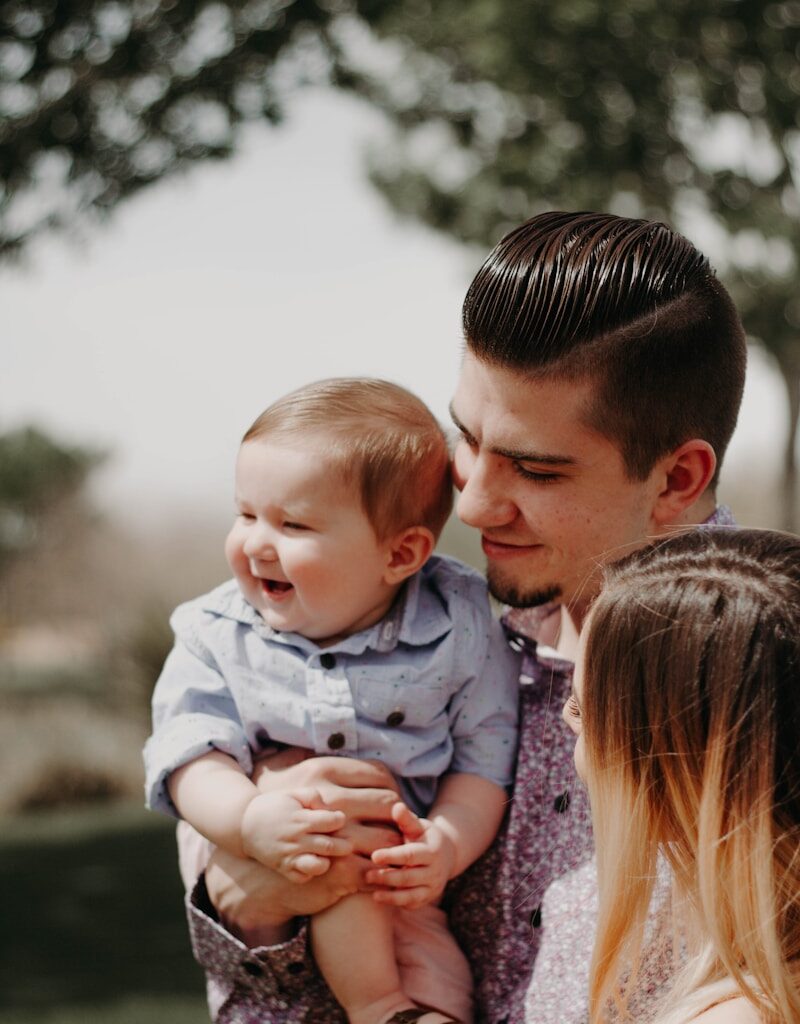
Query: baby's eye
246	517
294	526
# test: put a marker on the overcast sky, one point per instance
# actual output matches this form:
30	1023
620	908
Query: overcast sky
211	294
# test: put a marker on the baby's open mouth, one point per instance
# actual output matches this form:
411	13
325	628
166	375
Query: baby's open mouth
276	587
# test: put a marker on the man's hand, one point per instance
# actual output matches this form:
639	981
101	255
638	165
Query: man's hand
414	874
290	833
258	905
364	791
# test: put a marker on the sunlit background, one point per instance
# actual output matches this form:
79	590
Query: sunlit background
138	347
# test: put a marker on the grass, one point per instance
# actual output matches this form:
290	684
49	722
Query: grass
92	926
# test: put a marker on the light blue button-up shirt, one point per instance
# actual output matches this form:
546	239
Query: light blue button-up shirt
431	688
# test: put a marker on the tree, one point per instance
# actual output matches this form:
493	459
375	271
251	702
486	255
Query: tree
39	480
99	98
685	111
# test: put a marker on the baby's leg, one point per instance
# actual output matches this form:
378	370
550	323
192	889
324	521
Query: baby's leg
354	947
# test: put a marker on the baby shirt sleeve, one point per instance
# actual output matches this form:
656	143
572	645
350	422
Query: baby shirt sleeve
484	710
193	710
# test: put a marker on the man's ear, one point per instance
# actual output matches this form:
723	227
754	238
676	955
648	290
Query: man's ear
683	477
408	551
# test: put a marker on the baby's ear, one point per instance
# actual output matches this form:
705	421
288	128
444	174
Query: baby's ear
408	551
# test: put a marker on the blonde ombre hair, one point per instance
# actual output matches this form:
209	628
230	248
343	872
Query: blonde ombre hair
691	719
383	442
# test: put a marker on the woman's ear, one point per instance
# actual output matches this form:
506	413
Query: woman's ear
408	551
684	476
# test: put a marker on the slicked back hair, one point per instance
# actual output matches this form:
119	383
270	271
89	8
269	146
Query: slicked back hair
627	304
383	442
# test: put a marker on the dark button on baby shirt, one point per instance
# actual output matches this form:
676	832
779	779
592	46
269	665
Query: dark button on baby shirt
395	718
327	661
336	741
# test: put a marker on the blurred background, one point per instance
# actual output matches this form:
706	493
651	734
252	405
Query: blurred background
203	205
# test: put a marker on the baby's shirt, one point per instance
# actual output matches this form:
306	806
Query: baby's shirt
431	688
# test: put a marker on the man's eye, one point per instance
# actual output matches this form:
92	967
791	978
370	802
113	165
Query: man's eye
537	477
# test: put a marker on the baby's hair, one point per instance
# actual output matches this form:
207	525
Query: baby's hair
383	441
691	718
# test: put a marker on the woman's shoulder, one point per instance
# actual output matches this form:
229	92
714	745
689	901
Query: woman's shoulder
732	1011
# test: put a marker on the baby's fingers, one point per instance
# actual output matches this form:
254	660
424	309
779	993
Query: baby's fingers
408	822
410	855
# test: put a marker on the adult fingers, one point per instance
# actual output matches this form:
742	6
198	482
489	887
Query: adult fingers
365	803
350	773
368	838
410	898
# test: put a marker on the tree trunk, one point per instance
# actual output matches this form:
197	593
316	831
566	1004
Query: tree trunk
789	496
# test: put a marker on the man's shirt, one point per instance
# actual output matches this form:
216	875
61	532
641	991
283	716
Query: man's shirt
524	913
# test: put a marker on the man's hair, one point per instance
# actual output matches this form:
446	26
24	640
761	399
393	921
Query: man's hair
691	717
382	440
627	304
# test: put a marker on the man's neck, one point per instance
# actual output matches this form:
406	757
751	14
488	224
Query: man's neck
568	631
571	616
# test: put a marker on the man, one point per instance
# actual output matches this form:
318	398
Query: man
600	386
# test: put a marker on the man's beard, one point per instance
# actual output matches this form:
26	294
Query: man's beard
514	596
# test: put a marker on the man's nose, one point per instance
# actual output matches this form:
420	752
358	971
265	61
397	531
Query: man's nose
482	502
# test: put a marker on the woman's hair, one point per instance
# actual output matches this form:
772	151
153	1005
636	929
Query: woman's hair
383	441
691	724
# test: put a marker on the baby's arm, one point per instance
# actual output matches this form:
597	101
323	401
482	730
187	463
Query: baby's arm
286	831
463	821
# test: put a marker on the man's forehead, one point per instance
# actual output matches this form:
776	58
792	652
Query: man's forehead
504	408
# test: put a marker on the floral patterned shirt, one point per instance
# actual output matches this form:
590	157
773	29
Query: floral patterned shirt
523	913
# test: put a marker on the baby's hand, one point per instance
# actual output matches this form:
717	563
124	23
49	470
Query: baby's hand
415	873
289	832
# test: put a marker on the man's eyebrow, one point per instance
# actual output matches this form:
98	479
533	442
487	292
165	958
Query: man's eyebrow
517	455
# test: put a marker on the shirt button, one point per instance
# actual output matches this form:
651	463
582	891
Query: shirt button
327	661
561	802
536	918
252	968
336	741
395	718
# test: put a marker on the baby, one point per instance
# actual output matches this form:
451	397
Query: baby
343	633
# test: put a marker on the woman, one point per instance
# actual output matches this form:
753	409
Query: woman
687	707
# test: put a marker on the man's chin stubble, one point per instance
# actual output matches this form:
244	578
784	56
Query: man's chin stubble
516	597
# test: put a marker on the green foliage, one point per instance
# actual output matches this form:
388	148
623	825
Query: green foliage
37	474
99	99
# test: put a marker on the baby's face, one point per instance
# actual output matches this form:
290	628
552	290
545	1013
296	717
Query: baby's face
301	548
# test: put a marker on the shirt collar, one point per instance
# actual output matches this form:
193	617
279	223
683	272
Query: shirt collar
417	617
